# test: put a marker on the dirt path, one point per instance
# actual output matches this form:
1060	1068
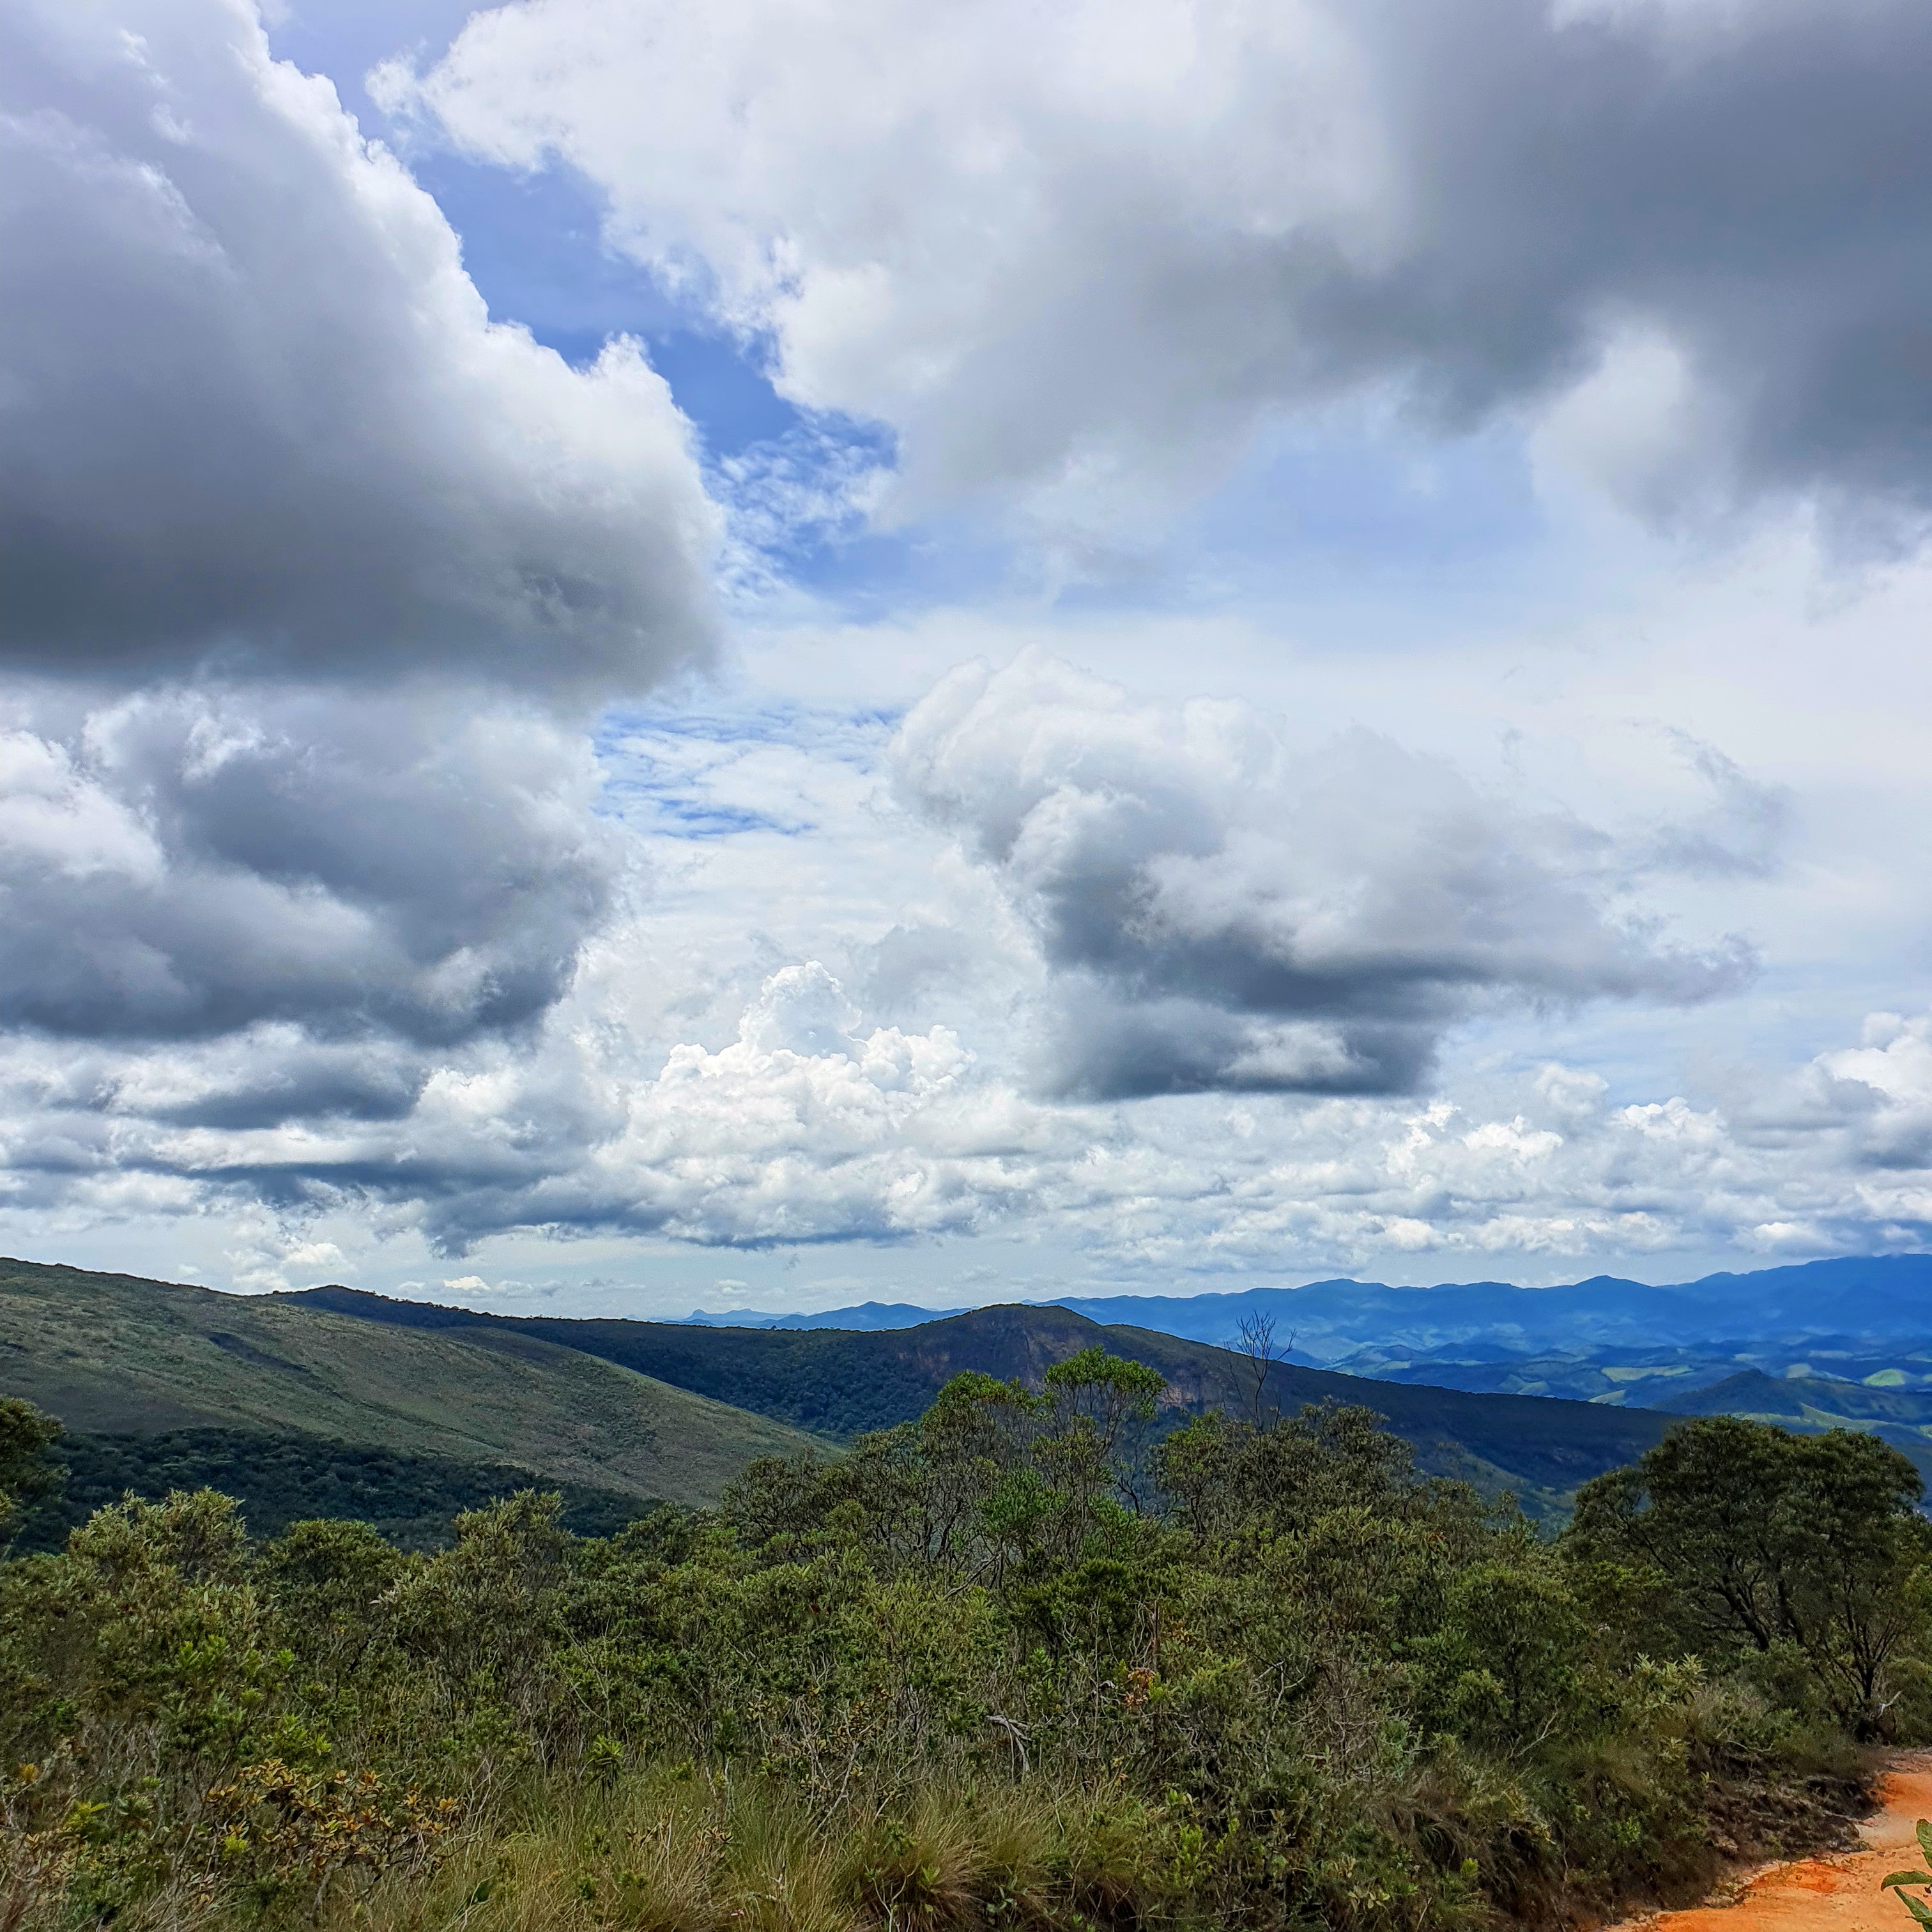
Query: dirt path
1834	1894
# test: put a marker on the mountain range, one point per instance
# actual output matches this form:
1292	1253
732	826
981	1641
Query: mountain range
297	1402
193	1379
1873	1301
1846	1342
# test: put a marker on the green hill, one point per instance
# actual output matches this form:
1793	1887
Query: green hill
114	1355
1808	1404
842	1381
658	1410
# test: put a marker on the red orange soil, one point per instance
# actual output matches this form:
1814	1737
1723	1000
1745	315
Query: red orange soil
1831	1894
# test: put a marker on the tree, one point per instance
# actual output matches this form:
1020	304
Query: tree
1232	1477
1093	1449
27	1472
1769	1543
1257	1344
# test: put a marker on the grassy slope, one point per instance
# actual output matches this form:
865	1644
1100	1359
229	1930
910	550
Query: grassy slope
839	1381
112	1353
1808	1403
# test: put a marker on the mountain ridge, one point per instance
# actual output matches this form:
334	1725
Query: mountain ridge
843	1381
671	1410
1869	1297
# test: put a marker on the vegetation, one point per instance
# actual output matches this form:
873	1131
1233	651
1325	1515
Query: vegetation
1914	1885
115	1354
840	1383
1784	1554
1028	1661
1810	1404
280	1479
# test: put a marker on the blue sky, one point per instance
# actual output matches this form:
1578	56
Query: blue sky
1226	656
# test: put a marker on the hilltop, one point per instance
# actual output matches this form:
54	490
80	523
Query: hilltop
653	1410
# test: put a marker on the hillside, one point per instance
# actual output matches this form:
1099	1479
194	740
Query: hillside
115	1354
278	1479
1809	1403
661	1409
842	1381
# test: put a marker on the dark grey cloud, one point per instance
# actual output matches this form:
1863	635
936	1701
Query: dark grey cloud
266	1075
302	557
1754	183
1215	912
1083	278
301	1081
1105	1042
253	415
189	864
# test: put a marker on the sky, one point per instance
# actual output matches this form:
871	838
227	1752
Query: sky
761	655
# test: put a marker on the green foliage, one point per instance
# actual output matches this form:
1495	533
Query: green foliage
1015	1663
27	1470
279	1479
1803	1557
1907	1882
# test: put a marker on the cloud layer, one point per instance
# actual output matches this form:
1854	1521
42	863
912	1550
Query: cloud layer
1112	851
1221	913
312	573
789	1136
254	416
1079	275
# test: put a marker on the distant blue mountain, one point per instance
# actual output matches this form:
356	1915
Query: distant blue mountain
1870	1299
867	1316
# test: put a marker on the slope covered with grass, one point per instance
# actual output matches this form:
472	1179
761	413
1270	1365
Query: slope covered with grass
115	1354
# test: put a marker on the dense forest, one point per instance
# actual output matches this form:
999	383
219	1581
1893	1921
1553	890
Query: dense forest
279	1480
1031	1661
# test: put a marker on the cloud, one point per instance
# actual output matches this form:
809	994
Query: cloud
255	417
304	934
888	1136
796	1130
342	957
1080	279
196	863
1220	912
1883	1086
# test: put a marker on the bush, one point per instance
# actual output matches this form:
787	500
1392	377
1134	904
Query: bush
1014	1665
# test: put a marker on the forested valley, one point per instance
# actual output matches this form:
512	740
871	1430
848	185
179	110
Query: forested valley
1040	1659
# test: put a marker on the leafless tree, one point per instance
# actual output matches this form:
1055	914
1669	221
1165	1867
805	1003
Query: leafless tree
1257	1344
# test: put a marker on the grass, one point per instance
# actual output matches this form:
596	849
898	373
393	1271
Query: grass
113	1354
661	1850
